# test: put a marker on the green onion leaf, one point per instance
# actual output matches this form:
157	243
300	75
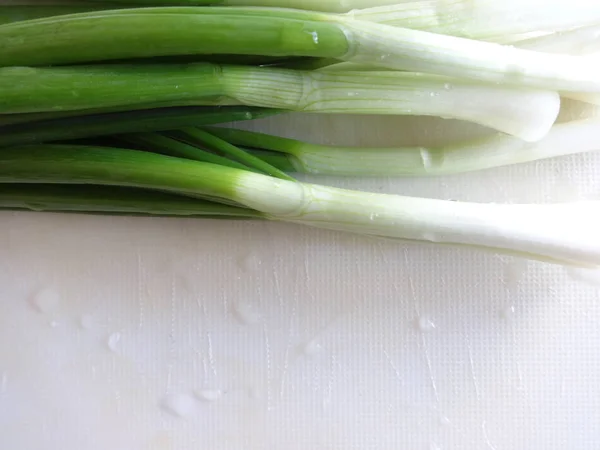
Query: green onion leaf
113	200
522	112
86	126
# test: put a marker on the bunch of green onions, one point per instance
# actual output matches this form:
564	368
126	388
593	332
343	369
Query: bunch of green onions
117	112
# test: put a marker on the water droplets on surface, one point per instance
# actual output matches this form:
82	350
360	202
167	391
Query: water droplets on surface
254	393
426	158
178	405
425	324
46	300
246	313
444	421
515	272
250	262
508	312
113	341
587	276
311	348
54	324
447	86
86	322
429	236
209	395
3	382
315	37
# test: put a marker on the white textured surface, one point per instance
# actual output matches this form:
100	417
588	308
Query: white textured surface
131	333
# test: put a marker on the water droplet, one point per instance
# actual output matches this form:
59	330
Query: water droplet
178	405
444	421
515	272
433	94
315	37
250	262
254	393
4	382
426	158
426	324
246	314
86	322
429	236
434	446
113	341
54	324
209	395
46	300
587	276
311	348
447	86
508	312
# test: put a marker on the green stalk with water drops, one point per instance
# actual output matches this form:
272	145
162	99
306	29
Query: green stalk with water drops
523	112
139	33
489	20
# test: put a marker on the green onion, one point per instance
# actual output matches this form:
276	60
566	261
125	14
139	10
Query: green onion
564	233
18	13
125	122
312	5
489	20
579	41
526	113
136	34
171	147
476	154
162	32
113	200
201	137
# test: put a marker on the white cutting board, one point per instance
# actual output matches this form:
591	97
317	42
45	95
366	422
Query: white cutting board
148	334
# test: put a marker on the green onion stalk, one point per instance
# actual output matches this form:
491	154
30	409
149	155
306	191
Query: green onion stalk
113	200
28	130
494	150
560	233
143	33
523	112
488	20
505	21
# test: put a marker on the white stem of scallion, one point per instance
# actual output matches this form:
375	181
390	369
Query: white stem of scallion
490	20
562	233
525	113
420	51
579	41
313	5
